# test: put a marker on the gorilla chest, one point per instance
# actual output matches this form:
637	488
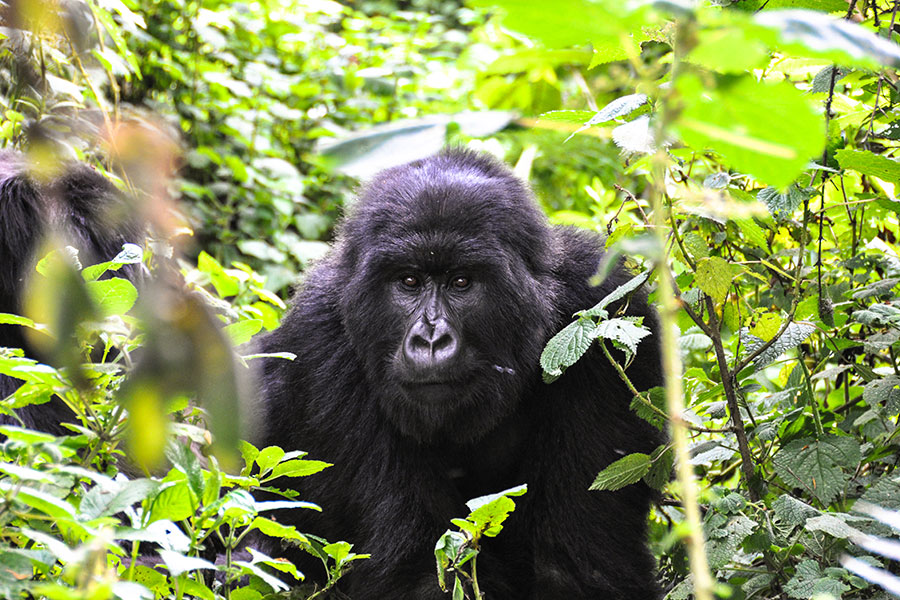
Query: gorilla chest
493	464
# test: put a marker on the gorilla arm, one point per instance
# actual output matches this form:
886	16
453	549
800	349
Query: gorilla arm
591	542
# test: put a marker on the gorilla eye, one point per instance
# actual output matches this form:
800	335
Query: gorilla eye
461	283
410	281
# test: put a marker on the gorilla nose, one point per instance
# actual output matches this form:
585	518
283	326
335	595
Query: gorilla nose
430	345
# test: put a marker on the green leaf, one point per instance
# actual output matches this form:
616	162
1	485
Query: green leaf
625	471
242	331
839	40
753	233
624	332
662	459
795	334
567	346
277	530
793	511
810	581
767	325
782	204
225	284
869	163
714	277
816	466
268	457
884	392
113	296
744	121
298	468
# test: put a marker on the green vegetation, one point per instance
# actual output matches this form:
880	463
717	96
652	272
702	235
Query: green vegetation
743	158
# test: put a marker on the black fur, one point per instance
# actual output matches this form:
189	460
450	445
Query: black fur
85	210
406	453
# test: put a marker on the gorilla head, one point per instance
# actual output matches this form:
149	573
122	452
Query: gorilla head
447	264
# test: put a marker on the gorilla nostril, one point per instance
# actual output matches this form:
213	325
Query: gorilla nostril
443	347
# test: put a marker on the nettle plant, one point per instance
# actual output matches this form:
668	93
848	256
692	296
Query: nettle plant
763	142
76	518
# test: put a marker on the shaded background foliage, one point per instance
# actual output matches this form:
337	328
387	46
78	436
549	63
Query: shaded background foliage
761	142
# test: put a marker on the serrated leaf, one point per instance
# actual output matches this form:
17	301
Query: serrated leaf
821	83
782	204
720	550
766	326
714	277
753	233
878	288
567	346
831	525
623	331
869	163
625	471
662	459
795	334
877	314
816	466
793	511
884	392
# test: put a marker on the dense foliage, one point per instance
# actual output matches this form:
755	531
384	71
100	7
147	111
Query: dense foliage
742	157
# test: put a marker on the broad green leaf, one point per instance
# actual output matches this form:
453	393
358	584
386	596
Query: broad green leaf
567	346
753	233
782	204
113	296
242	331
795	334
298	468
625	471
767	325
277	530
225	284
793	511
268	457
831	525
884	392
714	277
623	332
869	163
818	466
745	122
809	581
724	542
662	461
173	503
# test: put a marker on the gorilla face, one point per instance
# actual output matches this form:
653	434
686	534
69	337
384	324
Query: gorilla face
448	301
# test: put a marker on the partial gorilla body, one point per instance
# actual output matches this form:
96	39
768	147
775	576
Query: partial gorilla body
87	212
417	374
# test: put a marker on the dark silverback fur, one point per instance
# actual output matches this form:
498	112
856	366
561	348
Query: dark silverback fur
86	211
407	454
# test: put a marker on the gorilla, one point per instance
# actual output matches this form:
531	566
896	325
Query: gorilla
417	343
85	210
